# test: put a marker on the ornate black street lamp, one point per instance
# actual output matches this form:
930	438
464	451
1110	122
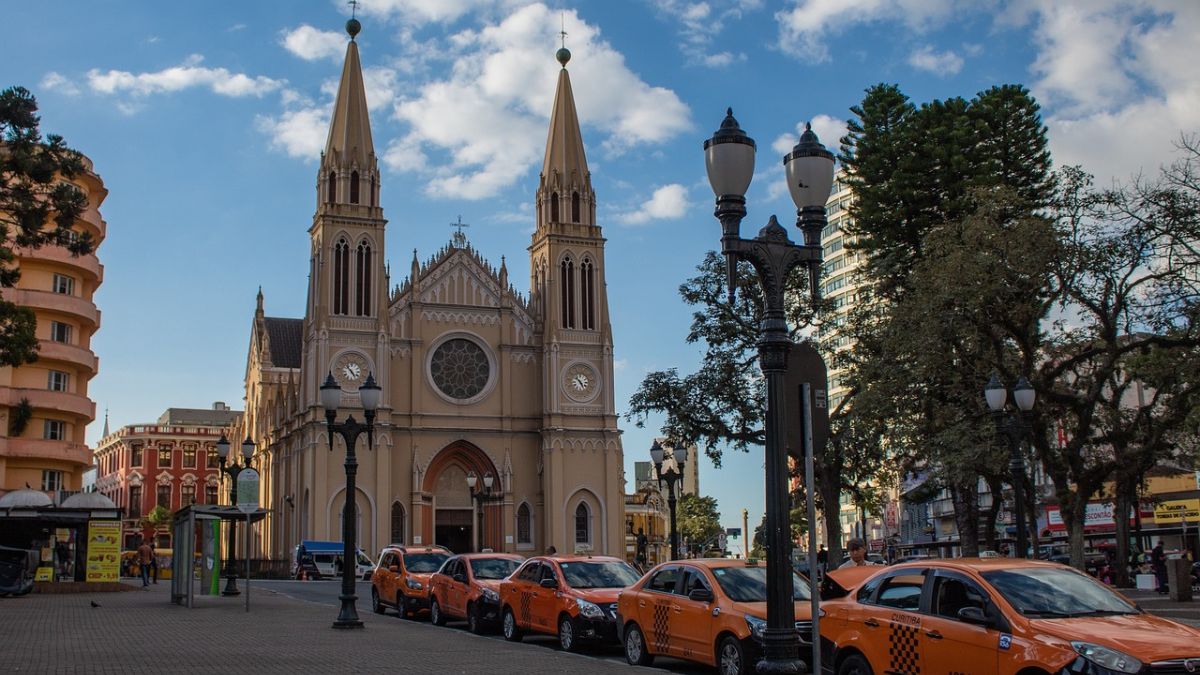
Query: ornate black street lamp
1014	427
729	158
672	475
232	471
483	495
331	396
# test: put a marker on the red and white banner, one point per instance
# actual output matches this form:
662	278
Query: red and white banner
1099	516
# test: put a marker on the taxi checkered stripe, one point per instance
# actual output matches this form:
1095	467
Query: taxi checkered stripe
661	631
526	598
903	653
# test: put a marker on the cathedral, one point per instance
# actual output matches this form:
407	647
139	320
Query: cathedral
496	427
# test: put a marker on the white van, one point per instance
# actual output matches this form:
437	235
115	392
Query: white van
327	556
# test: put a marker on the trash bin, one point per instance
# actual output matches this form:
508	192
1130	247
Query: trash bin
1146	582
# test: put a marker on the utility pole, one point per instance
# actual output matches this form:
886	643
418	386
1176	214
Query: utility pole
747	542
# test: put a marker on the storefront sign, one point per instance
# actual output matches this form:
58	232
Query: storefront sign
103	550
247	491
1099	516
1176	510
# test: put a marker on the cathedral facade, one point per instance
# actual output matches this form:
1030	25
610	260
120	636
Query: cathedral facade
497	427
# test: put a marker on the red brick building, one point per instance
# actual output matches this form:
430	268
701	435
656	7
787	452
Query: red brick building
170	463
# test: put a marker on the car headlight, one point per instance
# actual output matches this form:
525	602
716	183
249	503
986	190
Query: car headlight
490	595
413	584
756	625
1107	658
589	610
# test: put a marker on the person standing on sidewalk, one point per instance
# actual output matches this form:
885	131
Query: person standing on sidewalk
1158	560
154	563
144	555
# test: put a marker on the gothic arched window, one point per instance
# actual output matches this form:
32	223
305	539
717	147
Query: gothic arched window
587	283
554	207
341	277
362	280
567	276
353	187
575	207
397	523
374	196
583	524
331	190
524	525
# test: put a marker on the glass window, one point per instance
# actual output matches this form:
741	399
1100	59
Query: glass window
210	494
60	332
530	572
549	573
51	480
583	524
664	580
459	368
135	501
397	523
524	525
902	591
749	584
424	562
64	284
599	574
189	456
164	458
187	495
211	459
164	496
695	579
493	568
58	381
136	452
1056	592
54	430
951	595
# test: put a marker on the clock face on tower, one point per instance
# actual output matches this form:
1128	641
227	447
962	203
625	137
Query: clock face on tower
350	370
581	382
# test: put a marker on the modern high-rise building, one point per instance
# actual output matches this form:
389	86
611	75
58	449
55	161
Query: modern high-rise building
44	406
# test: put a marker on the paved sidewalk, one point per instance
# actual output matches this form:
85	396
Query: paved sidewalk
141	632
1164	606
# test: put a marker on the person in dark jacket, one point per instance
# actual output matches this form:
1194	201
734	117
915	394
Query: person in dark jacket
1158	561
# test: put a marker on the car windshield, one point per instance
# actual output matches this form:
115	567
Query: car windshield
599	574
424	562
749	584
493	568
1048	592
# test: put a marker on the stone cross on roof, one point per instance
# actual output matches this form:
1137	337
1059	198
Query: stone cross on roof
459	239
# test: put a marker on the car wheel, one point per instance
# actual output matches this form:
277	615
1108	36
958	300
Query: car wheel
473	622
566	634
375	603
401	606
731	659
855	664
509	626
435	613
635	647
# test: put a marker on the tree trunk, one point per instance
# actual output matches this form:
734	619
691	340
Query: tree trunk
829	485
966	517
1074	518
1121	517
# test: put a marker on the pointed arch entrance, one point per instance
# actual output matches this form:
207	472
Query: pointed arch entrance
455	520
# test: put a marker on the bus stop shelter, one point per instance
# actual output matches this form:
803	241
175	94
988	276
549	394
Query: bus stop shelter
184	527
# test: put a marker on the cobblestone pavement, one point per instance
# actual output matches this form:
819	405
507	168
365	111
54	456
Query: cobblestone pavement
141	632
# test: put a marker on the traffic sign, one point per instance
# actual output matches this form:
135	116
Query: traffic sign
247	491
733	532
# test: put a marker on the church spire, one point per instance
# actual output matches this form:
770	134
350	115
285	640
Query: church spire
565	193
350	129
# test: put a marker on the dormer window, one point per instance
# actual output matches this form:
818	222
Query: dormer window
554	207
331	188
575	207
353	187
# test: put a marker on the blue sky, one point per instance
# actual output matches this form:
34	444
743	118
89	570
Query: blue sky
205	121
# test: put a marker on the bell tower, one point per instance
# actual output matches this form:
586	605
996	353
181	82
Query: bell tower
347	294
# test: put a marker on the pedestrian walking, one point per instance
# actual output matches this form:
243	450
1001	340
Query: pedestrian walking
1158	561
823	559
153	563
144	555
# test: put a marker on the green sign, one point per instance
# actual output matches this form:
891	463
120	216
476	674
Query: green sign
247	491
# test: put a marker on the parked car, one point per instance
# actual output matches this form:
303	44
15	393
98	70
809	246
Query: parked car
468	587
401	580
708	611
990	616
326	557
573	597
17	567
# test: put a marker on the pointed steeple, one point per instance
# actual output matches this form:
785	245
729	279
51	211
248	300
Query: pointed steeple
105	435
350	129
565	192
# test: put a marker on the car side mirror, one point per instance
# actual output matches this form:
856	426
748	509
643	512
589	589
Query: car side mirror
394	568
701	595
973	615
549	583
462	579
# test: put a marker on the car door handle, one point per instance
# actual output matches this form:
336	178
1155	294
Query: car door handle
641	603
933	634
677	608
533	595
872	623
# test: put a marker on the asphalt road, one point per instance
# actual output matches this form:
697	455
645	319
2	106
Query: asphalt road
326	592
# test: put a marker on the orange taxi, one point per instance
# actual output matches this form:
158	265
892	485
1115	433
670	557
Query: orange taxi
401	578
712	611
573	597
468	587
992	615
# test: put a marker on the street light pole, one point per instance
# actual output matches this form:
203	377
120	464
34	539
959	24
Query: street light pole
1014	428
483	496
672	476
331	394
232	471
729	158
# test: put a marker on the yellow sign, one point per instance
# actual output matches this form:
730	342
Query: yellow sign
44	574
103	550
1176	511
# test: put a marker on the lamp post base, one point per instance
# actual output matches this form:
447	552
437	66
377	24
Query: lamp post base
780	653
348	616
231	587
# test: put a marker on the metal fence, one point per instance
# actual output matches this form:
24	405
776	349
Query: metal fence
260	568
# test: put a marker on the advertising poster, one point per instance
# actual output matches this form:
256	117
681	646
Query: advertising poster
103	550
210	557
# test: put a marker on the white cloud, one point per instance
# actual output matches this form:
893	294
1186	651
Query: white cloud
177	78
667	202
829	131
424	11
311	44
939	63
53	81
480	129
698	25
298	133
806	26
